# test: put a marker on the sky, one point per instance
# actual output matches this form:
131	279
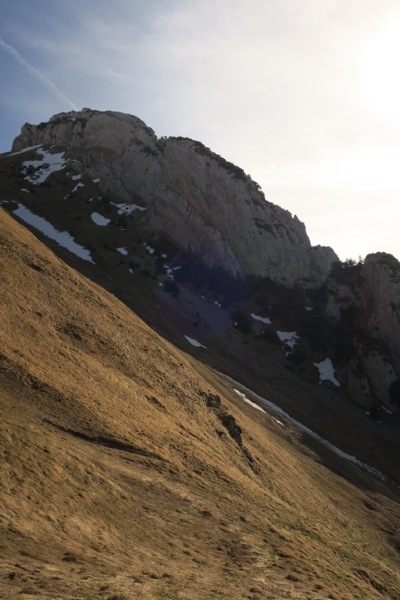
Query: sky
304	95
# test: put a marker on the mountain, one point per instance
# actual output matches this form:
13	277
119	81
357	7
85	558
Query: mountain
196	402
188	192
199	227
132	470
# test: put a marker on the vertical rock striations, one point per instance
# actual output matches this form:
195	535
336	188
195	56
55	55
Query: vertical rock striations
195	198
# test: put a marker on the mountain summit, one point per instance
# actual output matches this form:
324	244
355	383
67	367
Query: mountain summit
204	204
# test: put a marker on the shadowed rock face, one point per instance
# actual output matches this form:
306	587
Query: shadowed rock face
364	302
194	197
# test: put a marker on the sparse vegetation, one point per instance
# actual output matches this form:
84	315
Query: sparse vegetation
390	261
346	272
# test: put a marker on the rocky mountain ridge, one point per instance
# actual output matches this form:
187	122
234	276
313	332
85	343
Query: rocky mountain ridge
195	198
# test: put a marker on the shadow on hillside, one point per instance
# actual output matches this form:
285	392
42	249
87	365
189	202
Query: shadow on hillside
353	473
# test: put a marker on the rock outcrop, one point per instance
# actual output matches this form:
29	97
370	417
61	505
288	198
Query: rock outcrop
364	302
196	199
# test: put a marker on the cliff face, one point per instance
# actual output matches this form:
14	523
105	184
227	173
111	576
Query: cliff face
195	198
364	301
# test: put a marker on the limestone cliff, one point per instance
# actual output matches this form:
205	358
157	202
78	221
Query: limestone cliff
364	301
194	198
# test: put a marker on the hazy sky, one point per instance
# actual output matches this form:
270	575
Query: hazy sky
302	94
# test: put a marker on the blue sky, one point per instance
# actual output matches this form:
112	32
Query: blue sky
302	94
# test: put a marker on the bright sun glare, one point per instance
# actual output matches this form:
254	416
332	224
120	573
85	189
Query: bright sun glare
381	77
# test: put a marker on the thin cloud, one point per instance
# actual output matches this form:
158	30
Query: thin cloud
45	80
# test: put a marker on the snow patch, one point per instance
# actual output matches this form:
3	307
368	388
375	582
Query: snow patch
326	371
169	272
194	342
63	238
265	320
25	190
314	435
123	251
253	404
127	209
50	163
309	308
99	219
78	185
289	338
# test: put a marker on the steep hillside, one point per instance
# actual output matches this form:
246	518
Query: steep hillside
132	471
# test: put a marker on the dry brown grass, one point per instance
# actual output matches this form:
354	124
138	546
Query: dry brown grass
120	482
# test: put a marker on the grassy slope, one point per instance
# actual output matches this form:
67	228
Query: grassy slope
120	482
255	363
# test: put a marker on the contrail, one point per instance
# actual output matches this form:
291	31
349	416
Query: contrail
45	80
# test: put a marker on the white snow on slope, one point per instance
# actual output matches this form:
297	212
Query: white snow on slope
194	342
78	185
326	371
123	251
99	219
290	338
63	238
127	209
265	320
169	272
314	435
50	163
253	404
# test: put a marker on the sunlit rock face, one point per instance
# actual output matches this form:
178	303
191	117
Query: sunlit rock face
194	198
